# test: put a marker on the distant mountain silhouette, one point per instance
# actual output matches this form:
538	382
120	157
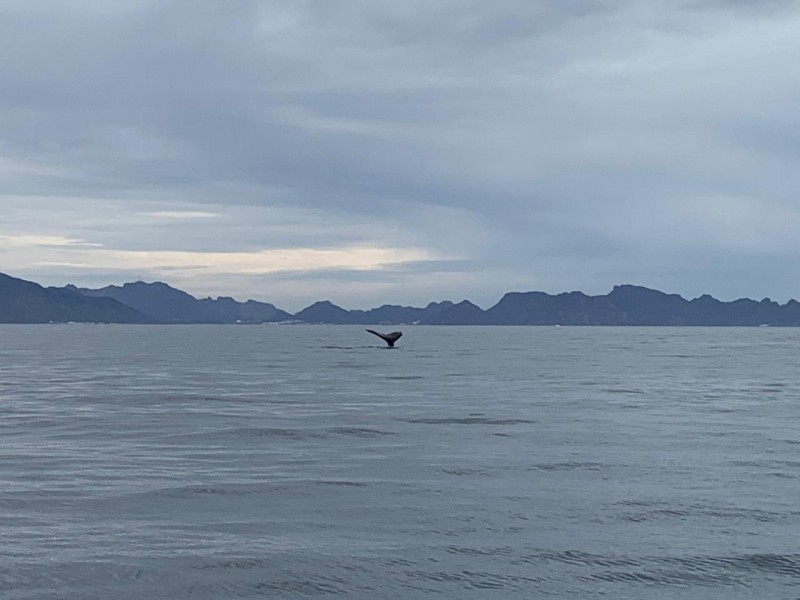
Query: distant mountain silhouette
27	302
324	312
169	305
463	313
388	314
625	305
635	305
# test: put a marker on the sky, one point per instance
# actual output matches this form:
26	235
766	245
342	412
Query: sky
402	152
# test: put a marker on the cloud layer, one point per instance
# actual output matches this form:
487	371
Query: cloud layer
369	153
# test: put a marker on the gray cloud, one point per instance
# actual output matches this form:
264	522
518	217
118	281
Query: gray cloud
538	145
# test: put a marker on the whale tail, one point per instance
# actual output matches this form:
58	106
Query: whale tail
389	338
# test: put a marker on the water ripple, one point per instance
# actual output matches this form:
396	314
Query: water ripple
467	421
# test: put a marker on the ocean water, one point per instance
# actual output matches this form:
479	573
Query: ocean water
308	461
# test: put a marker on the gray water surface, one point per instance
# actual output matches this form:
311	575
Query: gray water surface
303	461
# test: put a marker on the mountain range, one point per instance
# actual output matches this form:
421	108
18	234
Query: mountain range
28	302
166	304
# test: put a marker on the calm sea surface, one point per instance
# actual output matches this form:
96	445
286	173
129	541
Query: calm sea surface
303	461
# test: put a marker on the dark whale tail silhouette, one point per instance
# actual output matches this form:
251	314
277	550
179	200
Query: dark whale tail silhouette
389	338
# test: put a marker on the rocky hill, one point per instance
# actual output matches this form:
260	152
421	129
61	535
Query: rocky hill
27	302
169	305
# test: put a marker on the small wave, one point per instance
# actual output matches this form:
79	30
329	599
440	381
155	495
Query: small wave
481	552
66	575
748	463
577	558
764	464
362	432
664	577
643	517
567	466
695	511
342	483
350	365
249	489
207	490
468	421
464	472
235	564
257	432
703	570
475	580
397	561
782	564
637	503
303	586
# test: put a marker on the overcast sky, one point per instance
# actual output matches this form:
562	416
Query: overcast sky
374	152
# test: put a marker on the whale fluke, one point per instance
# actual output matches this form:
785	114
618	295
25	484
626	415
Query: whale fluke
389	338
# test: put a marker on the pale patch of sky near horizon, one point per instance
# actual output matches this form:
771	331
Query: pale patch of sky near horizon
368	153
